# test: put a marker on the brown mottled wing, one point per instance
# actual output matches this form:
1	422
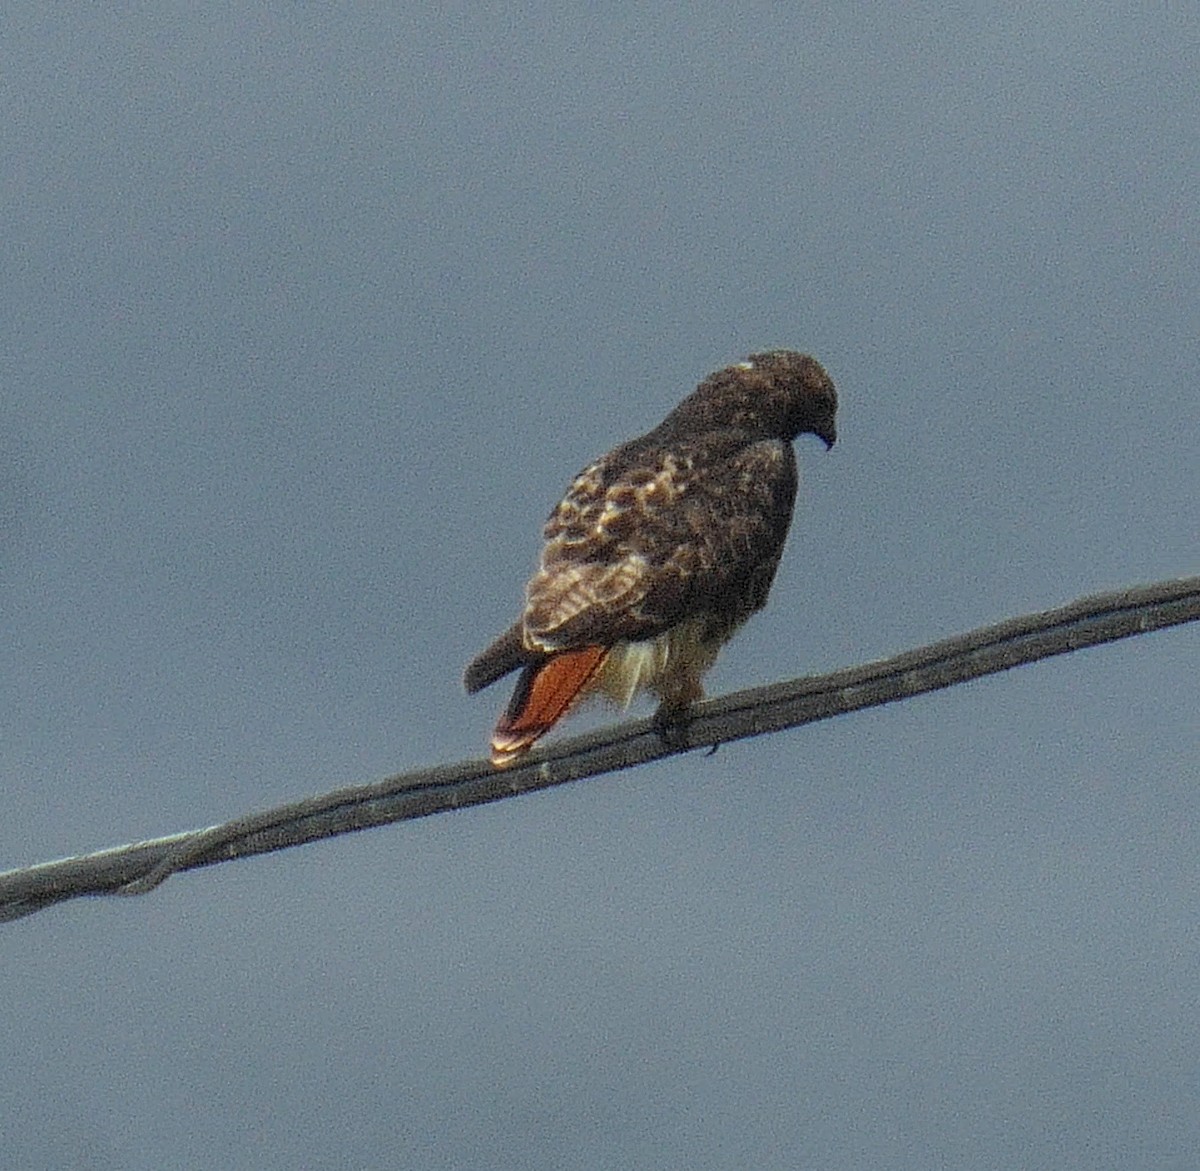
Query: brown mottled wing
656	532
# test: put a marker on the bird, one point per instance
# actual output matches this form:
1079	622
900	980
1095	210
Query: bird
659	551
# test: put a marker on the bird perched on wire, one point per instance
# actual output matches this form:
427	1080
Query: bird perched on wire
660	550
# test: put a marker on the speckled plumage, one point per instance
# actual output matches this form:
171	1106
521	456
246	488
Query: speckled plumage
662	548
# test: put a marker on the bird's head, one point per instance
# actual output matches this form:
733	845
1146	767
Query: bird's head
777	394
792	393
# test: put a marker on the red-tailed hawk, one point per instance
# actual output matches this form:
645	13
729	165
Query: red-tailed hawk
660	550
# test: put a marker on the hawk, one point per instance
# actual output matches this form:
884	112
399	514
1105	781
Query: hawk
660	550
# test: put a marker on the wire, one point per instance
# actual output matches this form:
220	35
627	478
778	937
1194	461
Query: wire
141	866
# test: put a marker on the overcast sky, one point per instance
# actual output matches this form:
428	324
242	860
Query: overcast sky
310	312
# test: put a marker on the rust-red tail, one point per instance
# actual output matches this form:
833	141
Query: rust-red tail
545	692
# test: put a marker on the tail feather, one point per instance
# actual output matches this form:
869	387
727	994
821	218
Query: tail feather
544	694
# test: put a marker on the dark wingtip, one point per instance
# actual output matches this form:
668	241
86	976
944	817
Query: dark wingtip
506	654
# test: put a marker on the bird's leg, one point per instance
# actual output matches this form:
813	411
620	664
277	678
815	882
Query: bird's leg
671	724
673	716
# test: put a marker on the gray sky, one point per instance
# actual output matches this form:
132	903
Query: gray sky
310	313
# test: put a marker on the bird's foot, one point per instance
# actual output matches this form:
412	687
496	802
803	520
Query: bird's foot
673	724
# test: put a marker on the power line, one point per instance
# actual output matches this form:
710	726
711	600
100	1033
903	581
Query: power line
141	866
